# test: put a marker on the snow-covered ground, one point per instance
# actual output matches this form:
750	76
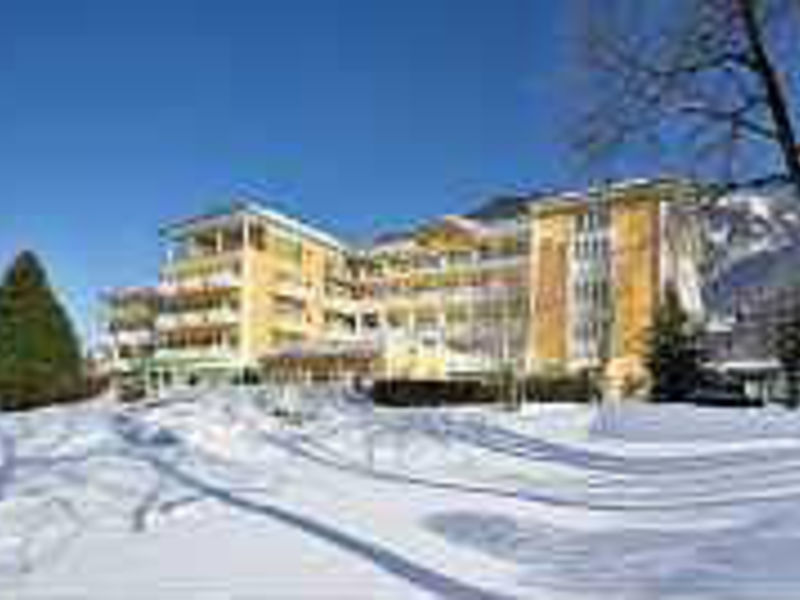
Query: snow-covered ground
232	496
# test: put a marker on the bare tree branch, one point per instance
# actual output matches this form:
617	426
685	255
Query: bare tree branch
698	76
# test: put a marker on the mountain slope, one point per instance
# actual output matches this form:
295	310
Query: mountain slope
754	245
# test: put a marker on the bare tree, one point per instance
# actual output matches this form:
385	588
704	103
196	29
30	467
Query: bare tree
711	79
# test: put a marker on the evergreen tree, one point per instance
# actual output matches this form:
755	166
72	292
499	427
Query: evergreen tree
674	357
40	359
787	349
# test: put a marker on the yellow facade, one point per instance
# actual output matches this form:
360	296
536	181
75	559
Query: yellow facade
264	273
548	327
566	282
597	289
636	222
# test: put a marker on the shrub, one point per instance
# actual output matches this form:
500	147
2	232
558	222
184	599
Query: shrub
427	392
579	387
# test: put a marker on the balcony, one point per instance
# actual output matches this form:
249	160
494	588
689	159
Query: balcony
223	280
197	354
124	365
342	304
502	262
292	289
338	335
133	337
203	265
448	295
187	320
116	323
444	265
291	323
201	284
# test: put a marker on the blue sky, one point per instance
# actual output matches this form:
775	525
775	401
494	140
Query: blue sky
118	116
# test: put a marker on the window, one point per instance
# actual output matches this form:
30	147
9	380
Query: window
287	249
258	237
338	320
427	261
370	320
426	319
397	319
459	258
456	314
232	239
288	307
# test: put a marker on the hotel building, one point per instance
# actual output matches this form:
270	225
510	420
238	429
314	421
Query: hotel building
530	284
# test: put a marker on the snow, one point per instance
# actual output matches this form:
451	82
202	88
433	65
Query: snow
257	494
758	205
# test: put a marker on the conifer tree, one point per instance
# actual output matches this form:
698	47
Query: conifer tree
40	359
674	357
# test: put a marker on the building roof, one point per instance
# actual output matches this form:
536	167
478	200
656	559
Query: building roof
390	237
248	205
501	208
512	206
606	191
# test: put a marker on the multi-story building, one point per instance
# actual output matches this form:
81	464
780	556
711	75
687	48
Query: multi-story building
567	281
457	286
601	262
240	282
130	318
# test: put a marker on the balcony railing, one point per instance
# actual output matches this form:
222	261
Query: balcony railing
202	265
473	263
219	316
199	353
465	294
199	283
293	289
500	262
133	337
342	304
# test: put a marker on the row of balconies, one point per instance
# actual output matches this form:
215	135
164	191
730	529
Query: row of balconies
125	362
201	262
228	279
217	280
219	316
475	323
200	353
477	263
449	282
228	316
228	353
468	294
